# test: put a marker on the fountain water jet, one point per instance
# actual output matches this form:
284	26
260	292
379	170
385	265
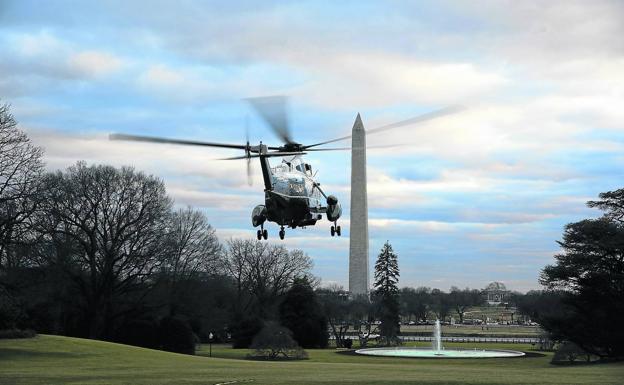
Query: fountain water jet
436	343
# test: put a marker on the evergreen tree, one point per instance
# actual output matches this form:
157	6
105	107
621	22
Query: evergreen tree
589	275
386	294
301	312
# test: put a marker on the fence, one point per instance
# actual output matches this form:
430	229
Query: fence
508	340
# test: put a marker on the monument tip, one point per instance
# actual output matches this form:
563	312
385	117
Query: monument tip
358	125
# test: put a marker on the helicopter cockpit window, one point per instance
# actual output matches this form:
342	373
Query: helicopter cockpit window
286	165
308	168
295	164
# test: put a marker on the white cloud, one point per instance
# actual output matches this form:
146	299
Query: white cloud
62	150
161	75
95	63
416	226
44	57
36	44
233	202
377	79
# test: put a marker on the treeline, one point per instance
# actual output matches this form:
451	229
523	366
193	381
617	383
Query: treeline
361	316
422	303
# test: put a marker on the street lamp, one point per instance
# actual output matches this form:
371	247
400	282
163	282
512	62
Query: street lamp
210	343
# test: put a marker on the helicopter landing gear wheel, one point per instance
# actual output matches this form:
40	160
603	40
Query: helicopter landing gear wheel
335	229
282	233
259	234
265	234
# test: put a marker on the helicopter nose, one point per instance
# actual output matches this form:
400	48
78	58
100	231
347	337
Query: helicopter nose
296	186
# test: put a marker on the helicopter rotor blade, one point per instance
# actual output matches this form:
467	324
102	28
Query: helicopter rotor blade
329	149
273	110
249	175
240	157
248	152
284	153
356	148
155	139
268	155
417	119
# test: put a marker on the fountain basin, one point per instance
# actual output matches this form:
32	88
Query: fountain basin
446	353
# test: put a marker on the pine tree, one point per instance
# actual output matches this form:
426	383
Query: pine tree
386	295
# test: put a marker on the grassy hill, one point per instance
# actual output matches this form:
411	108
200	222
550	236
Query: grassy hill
54	359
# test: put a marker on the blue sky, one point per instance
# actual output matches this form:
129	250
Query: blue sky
477	196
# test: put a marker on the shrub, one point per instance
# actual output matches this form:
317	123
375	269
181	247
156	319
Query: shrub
244	331
570	353
275	342
17	333
176	336
142	333
10	312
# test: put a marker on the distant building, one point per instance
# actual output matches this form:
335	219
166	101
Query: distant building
496	293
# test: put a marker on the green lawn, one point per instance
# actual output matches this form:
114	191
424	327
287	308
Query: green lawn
53	359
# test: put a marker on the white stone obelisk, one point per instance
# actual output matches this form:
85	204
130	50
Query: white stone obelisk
358	241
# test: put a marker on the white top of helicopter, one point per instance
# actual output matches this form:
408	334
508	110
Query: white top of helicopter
293	165
293	178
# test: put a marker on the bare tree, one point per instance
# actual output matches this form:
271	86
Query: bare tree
461	300
263	271
363	313
440	303
194	249
107	227
20	174
335	301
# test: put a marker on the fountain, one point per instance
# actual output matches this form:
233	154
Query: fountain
437	351
436	343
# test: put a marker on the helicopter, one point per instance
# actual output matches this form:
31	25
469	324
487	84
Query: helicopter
292	195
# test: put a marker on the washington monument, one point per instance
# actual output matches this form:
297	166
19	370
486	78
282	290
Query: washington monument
358	240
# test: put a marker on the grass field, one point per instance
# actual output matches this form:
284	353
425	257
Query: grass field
53	359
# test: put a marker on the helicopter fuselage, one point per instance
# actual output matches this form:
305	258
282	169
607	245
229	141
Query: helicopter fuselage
292	196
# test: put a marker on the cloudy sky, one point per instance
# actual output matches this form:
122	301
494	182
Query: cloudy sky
478	196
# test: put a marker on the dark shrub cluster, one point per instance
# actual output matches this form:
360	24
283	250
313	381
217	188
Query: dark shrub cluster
275	342
244	331
570	353
17	333
176	336
142	333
